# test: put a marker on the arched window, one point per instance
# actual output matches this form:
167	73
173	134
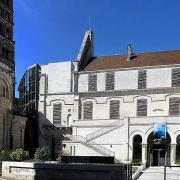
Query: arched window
137	147
178	148
4	92
57	112
88	110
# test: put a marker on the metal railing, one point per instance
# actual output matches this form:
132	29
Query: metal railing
98	148
104	130
171	172
128	171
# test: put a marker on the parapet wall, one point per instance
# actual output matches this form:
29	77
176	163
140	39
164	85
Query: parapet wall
55	171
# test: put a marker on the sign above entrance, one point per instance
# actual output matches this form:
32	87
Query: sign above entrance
160	130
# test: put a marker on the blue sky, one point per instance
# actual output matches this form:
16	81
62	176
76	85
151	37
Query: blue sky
52	30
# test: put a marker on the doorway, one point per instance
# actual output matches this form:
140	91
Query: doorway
159	157
158	151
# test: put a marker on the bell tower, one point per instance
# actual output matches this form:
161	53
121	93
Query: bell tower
7	72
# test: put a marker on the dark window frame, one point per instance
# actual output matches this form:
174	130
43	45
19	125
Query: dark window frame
88	110
92	82
110	78
141	107
142	79
57	114
114	109
174	106
175	80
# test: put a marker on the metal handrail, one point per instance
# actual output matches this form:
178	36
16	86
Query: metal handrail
92	145
169	166
104	130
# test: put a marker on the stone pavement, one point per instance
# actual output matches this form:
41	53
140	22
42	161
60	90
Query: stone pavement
157	173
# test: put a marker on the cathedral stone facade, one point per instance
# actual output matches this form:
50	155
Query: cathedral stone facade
8	136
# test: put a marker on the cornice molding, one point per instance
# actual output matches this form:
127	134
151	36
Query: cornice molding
129	92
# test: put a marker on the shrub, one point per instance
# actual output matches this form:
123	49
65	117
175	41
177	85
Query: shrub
42	154
178	161
137	162
19	155
4	156
117	161
64	153
134	169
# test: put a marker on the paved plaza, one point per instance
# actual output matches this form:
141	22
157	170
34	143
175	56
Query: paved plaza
157	173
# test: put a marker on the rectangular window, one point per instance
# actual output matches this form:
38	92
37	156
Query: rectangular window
142	107
174	105
176	77
142	79
114	109
92	82
57	108
109	81
88	110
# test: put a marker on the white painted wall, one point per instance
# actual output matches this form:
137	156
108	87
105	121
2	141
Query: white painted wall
101	79
83	83
59	76
126	79
159	77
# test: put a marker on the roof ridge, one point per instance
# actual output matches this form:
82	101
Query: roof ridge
145	52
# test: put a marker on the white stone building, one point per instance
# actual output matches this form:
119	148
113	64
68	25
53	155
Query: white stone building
112	103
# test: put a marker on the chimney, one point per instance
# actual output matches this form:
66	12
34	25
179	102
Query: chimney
130	52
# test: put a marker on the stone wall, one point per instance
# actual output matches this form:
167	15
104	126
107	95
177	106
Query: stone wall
31	171
6	99
18	129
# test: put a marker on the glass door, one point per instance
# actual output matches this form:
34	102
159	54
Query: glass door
158	157
161	158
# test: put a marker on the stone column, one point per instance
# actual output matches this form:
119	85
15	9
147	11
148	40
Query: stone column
173	154
144	153
75	113
76	108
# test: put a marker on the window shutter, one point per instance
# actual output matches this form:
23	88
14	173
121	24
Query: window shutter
80	110
57	110
142	107
92	82
114	109
174	104
88	110
109	81
142	79
176	77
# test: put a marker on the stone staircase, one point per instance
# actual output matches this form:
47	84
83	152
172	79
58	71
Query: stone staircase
92	145
104	130
87	141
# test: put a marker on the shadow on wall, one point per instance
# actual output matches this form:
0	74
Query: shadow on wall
55	171
31	133
49	135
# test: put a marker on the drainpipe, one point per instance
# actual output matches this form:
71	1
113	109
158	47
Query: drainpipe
128	138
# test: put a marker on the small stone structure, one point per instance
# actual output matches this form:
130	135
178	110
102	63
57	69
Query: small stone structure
31	171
